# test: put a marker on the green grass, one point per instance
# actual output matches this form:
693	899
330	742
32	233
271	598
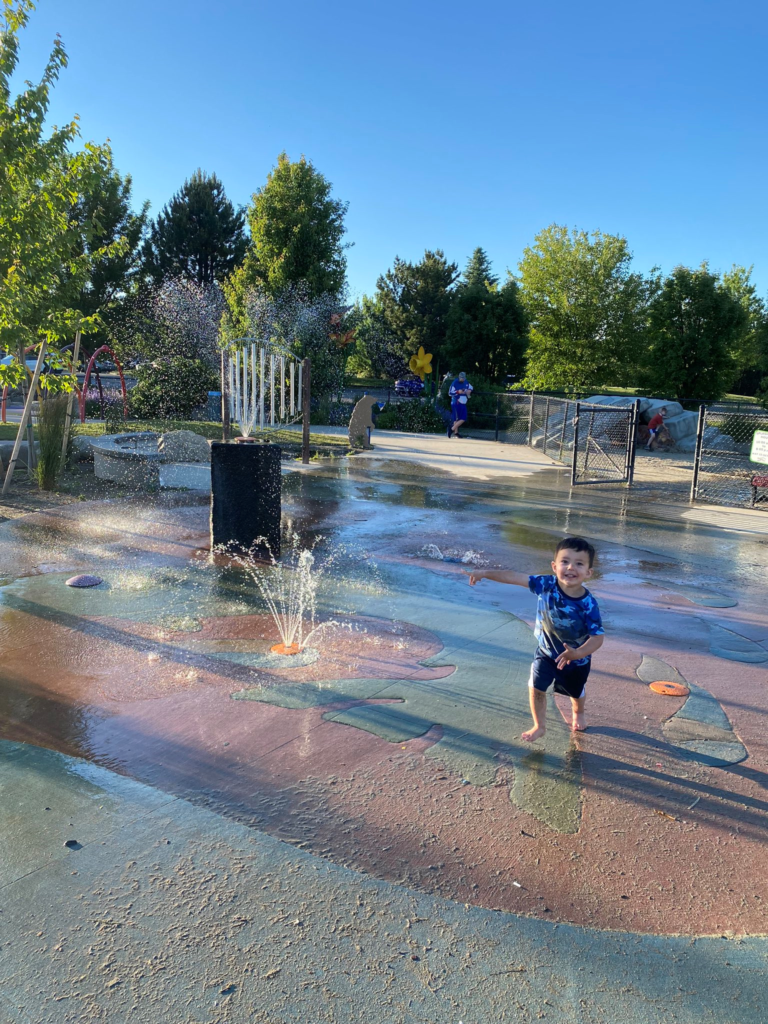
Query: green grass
367	382
212	431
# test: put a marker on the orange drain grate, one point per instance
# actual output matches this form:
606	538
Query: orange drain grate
670	689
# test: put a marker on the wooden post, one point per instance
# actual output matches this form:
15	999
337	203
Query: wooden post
68	420
305	396
31	453
25	419
224	398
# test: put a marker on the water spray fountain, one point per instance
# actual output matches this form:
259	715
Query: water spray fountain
262	386
289	589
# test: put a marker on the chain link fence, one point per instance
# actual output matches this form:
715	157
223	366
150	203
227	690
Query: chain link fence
723	472
596	441
604	443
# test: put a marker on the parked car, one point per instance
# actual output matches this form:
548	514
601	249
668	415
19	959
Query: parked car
411	387
31	363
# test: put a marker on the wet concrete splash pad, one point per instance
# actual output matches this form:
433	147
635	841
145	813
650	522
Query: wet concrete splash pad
394	750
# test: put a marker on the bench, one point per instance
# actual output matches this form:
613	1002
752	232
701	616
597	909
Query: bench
759	483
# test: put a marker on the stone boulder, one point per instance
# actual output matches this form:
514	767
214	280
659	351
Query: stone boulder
183	446
682	426
654	404
6	450
82	448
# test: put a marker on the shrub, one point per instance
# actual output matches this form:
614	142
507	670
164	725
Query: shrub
50	433
325	413
112	410
413	415
171	389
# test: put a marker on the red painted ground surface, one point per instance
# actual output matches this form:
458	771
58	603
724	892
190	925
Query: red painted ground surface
643	859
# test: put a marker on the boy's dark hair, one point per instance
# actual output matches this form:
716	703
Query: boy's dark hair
576	544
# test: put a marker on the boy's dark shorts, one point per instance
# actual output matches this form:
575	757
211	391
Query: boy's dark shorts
569	681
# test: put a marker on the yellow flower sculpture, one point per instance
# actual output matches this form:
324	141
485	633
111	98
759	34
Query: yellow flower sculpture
421	363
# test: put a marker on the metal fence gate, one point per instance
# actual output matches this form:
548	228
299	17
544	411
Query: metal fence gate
603	443
723	473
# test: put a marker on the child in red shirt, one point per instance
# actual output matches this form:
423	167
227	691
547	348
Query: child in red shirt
655	427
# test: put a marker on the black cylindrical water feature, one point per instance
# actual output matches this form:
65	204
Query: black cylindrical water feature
245	496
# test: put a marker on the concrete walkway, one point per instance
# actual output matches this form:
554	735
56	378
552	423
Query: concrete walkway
160	911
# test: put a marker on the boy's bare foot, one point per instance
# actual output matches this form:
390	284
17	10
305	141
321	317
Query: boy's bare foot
579	723
533	734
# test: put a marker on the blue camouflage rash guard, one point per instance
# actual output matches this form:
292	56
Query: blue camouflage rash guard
563	621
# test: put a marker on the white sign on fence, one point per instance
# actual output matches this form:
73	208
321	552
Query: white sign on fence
759	451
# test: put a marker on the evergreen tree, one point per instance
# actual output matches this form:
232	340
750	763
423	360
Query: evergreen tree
414	300
198	236
486	332
694	329
479	270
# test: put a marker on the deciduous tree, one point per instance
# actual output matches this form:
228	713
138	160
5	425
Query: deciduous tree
750	351
296	231
694	328
587	310
47	253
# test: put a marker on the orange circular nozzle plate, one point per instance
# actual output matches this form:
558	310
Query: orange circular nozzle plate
670	689
286	649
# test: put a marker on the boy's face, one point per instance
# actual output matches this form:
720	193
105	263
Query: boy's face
571	567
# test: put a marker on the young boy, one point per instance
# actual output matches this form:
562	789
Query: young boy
568	628
656	428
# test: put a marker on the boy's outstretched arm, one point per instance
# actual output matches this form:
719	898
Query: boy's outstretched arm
518	579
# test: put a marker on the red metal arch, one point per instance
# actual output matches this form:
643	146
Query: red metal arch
84	392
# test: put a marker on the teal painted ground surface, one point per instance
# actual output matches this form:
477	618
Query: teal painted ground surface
170	912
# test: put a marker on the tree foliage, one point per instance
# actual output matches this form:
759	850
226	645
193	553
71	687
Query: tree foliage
296	231
172	388
378	350
486	326
198	235
175	318
750	350
308	325
587	310
694	328
112	234
414	300
47	251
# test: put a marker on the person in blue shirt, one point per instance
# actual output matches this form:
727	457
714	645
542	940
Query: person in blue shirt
459	391
568	629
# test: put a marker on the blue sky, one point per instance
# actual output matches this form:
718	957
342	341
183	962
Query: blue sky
444	124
